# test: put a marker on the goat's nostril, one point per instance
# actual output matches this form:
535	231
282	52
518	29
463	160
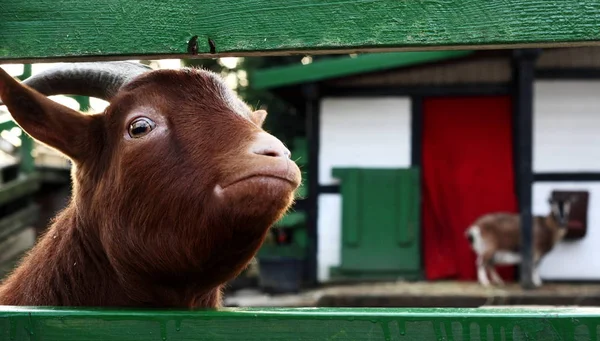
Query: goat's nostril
268	145
271	153
274	152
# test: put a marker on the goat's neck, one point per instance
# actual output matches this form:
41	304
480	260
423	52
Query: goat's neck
551	223
557	230
65	267
68	267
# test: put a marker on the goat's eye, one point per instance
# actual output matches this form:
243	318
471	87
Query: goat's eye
140	127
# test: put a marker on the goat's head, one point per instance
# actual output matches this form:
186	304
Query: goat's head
176	179
560	209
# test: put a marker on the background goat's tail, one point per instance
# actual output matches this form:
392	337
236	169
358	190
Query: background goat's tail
471	233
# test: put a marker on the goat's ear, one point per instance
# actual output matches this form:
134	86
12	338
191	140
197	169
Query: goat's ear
258	117
45	120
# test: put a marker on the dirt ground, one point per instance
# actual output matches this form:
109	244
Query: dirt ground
425	294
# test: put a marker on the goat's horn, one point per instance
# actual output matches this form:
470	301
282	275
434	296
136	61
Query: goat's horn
95	79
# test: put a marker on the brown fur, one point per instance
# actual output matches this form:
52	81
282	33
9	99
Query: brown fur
145	226
496	239
501	231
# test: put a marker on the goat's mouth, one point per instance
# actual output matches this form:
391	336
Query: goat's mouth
286	173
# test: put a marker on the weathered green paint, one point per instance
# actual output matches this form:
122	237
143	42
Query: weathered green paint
380	222
21	323
321	70
74	28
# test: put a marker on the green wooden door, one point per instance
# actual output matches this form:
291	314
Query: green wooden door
380	223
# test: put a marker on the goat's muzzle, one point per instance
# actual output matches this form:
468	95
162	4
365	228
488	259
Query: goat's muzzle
267	165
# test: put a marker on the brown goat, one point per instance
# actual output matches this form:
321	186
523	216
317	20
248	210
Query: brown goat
496	239
175	186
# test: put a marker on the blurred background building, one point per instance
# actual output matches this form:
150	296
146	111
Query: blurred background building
400	153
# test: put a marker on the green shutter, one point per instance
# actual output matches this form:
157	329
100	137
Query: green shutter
380	223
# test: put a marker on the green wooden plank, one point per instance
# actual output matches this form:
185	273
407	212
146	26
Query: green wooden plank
19	323
73	28
345	66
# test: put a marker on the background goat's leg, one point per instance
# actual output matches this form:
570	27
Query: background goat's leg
481	271
536	279
496	279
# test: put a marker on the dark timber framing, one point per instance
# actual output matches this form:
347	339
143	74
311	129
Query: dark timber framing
416	132
313	134
416	160
419	90
571	177
523	78
568	74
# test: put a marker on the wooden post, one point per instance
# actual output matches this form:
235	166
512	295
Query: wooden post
313	126
523	76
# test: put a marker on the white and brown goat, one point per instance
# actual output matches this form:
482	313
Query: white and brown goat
175	186
496	239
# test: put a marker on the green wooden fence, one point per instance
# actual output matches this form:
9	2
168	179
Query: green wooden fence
45	30
300	324
48	29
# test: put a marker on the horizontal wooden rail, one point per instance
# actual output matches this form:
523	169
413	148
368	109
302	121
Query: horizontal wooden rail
489	324
24	185
110	29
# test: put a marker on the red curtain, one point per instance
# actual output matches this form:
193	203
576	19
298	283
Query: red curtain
467	172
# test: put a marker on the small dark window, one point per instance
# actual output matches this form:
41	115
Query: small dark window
577	227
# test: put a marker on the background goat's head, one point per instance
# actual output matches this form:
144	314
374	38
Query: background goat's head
176	180
560	209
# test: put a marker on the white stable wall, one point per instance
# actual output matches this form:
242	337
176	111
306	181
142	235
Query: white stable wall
567	139
356	132
375	132
577	259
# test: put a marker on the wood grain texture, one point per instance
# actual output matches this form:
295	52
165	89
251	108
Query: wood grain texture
17	323
75	29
